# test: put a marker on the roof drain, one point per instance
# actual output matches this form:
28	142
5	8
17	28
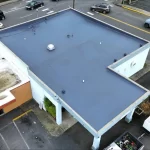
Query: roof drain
63	91
115	60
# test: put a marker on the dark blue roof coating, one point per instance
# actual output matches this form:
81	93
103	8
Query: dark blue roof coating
80	57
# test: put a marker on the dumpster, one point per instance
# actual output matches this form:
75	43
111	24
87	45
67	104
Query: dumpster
126	142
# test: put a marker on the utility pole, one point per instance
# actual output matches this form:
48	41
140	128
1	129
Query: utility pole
37	13
73	4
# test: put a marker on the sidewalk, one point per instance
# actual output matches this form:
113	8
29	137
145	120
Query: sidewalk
137	10
142	72
47	121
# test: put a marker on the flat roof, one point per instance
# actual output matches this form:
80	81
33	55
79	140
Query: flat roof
84	50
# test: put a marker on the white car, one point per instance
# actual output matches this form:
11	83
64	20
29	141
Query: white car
147	23
1	25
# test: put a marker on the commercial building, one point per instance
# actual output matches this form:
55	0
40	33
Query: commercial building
88	71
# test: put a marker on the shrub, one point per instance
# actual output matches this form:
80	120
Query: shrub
145	65
145	106
50	107
52	111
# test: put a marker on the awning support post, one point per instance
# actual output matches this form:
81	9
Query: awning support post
96	143
129	116
58	114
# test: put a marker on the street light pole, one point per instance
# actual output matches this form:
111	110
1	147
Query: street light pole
73	4
37	13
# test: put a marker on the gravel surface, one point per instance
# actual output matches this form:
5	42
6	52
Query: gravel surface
7	79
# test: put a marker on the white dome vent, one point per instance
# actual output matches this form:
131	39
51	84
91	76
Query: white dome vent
50	47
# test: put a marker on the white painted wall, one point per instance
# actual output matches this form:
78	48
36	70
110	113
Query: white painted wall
38	93
11	57
133	65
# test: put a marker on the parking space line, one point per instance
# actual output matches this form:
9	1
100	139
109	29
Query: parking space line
125	23
21	135
22	115
4	141
5	126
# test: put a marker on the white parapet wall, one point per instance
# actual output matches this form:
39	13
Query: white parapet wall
133	64
11	57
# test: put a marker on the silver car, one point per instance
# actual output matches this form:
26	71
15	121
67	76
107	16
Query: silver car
147	23
1	25
102	8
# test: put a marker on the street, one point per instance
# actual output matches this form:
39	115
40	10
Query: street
119	17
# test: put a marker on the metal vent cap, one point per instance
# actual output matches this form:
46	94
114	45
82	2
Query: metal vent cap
50	47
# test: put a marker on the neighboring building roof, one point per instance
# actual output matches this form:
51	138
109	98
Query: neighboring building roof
84	48
10	77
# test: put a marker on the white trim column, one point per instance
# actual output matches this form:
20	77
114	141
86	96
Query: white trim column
129	116
96	143
58	113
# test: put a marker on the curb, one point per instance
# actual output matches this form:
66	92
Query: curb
8	2
135	10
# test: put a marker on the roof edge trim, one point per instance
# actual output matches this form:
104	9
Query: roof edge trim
129	56
123	114
109	25
36	19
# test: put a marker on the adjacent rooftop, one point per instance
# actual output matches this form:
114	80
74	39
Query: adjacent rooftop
77	66
10	78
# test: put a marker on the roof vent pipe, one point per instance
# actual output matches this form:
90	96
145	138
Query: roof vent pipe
141	45
115	60
125	54
63	91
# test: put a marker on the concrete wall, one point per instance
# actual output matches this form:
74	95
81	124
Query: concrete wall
10	56
22	94
132	65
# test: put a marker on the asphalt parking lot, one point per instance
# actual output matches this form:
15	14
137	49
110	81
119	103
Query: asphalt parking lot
25	132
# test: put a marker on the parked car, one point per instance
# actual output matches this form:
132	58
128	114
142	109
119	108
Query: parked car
34	5
55	0
1	25
2	16
103	8
147	23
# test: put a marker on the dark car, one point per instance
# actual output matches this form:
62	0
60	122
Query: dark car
2	16
103	8
34	5
55	0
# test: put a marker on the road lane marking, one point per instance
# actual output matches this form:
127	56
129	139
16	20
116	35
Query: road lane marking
90	13
46	9
28	1
26	16
125	23
4	141
15	9
21	135
50	12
